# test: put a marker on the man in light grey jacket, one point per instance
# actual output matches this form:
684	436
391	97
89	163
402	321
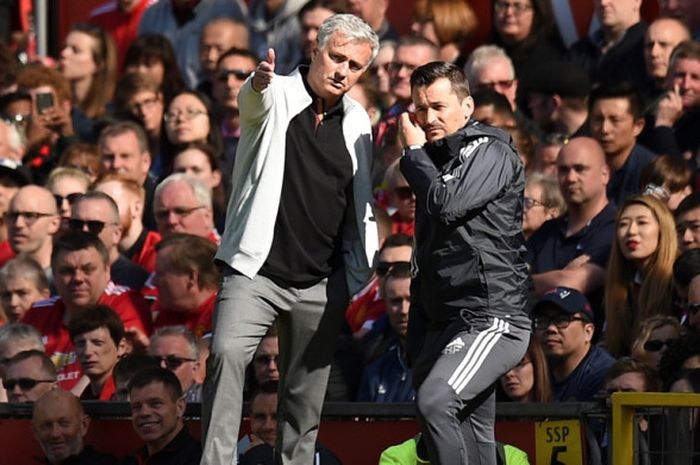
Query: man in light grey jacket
299	236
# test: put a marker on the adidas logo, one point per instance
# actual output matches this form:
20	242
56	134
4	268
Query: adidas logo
453	347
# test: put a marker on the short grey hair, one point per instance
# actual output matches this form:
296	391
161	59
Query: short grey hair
352	28
202	192
178	330
482	56
14	332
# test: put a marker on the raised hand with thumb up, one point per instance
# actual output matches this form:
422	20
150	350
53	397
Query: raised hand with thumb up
264	72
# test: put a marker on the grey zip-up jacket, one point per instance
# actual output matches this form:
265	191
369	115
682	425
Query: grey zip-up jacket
469	252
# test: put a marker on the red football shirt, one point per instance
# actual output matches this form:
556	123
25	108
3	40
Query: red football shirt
198	321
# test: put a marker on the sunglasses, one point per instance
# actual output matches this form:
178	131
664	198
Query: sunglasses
94	227
172	362
266	359
384	267
25	384
655	345
71	198
241	75
404	192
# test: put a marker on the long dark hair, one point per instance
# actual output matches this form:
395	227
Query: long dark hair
155	47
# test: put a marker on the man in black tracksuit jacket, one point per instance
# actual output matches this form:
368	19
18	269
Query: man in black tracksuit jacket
471	280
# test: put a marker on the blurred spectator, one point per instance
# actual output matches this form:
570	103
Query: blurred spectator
629	375
687	217
446	23
388	378
16	338
51	123
685	268
138	97
59	425
563	323
183	204
266	360
546	154
572	250
677	120
669	179
639	281
98	337
529	381
190	118
368	305
153	56
379	70
157	410
125	369
263	429
693	304
401	199
81	268
654	337
684	10
120	18
366	95
83	157
22	283
28	375
12	176
558	98
137	242
493	108
16	108
542	202
659	41
175	348
124	150
67	185
187	280
617	118
181	21
374	14
89	63
32	220
11	141
218	36
527	32
98	214
232	69
275	24
311	16
683	354
199	160
615	52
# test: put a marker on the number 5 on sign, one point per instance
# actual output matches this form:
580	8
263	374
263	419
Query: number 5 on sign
558	442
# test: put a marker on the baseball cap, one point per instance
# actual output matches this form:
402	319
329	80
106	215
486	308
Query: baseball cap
567	300
14	171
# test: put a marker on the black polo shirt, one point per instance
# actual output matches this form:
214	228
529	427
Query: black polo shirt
316	199
625	181
182	450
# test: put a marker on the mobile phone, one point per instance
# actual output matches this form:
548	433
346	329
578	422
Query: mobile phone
44	100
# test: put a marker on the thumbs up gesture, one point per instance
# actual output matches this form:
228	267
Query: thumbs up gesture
264	72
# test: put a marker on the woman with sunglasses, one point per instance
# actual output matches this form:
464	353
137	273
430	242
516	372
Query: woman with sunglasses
639	281
67	185
655	335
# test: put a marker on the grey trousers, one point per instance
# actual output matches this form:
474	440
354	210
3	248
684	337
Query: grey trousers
455	374
308	323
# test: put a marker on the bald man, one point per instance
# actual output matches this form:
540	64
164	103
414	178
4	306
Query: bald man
659	41
582	237
219	36
59	425
32	220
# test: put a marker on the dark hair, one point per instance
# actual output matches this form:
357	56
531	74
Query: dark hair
625	90
237	52
148	48
686	267
672	171
157	375
543	29
99	316
188	253
130	85
336	6
485	97
624	365
670	366
98	195
214	138
74	241
47	365
397	240
270	387
128	366
427	74
689	49
689	203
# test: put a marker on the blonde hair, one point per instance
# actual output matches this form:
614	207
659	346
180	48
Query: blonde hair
656	293
646	327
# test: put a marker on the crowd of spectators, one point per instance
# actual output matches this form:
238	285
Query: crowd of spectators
115	174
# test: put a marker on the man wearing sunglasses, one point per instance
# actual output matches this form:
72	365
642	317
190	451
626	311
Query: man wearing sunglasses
28	375
563	322
97	213
80	263
175	348
232	69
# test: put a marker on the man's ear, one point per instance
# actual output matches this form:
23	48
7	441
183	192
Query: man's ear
467	107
